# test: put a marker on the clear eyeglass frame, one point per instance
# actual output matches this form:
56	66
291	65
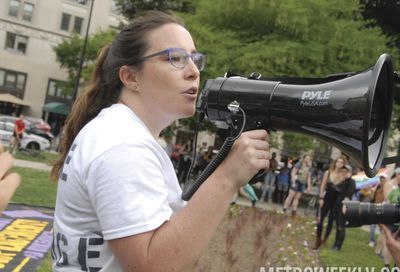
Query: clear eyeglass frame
179	58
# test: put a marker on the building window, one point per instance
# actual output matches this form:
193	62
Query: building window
20	81
78	24
2	77
12	81
10	40
65	21
16	42
28	11
52	89
14	7
82	2
16	11
56	89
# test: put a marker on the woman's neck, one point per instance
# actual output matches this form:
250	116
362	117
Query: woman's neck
132	101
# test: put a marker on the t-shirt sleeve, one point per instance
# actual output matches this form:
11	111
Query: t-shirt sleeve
127	189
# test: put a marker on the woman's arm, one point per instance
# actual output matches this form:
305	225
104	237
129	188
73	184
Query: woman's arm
392	243
293	174
323	187
178	243
323	184
309	182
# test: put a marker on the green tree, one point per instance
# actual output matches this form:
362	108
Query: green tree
131	8
68	58
298	144
310	38
286	38
385	14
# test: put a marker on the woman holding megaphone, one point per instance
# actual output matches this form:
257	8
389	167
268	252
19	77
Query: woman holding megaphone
118	199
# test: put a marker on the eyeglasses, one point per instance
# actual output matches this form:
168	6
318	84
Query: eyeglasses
179	58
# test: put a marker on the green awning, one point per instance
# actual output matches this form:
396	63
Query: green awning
56	107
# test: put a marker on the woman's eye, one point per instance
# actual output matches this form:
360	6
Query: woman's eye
177	58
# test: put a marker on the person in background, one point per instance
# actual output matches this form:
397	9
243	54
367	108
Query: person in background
185	160
346	193
391	194
207	157
269	180
392	240
332	184
283	182
300	178
199	160
119	205
248	192
165	142
18	133
9	182
376	198
175	156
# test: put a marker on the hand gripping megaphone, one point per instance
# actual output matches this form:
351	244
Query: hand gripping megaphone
350	111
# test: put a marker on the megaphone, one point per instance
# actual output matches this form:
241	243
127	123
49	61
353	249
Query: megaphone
350	111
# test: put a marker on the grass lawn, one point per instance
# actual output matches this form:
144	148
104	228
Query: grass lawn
355	251
35	189
45	156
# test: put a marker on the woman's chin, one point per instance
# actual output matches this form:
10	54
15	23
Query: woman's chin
190	112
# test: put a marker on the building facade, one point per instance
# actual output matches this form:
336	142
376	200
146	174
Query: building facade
30	76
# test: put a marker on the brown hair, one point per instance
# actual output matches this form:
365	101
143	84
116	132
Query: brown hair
105	87
332	167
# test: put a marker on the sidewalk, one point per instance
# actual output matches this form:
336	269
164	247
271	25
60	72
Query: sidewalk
33	165
240	200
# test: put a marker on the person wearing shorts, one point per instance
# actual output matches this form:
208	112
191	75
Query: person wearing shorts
301	176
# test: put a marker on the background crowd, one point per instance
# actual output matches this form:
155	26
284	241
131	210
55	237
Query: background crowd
286	181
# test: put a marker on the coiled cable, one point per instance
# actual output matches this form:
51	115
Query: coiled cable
191	187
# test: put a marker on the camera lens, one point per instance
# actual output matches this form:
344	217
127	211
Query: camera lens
363	213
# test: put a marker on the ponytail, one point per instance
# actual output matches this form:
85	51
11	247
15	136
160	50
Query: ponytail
84	109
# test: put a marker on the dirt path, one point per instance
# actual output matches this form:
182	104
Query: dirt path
249	239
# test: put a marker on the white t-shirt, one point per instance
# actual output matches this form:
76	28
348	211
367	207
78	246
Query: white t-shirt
116	181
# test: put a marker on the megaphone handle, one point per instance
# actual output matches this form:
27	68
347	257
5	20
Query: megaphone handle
257	176
191	187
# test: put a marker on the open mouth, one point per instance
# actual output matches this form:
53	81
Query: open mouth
192	91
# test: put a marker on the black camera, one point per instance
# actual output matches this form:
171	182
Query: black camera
358	213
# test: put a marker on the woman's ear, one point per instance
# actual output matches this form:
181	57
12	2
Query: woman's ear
128	76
